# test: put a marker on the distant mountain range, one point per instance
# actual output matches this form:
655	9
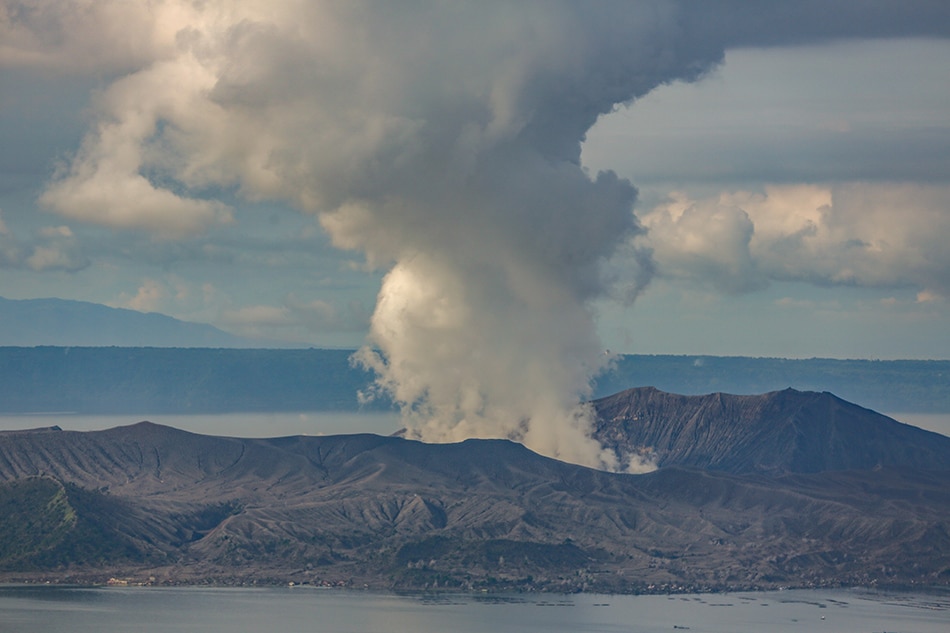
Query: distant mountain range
783	489
30	322
58	355
156	380
137	380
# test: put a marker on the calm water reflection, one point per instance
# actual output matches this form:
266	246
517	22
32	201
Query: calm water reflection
159	610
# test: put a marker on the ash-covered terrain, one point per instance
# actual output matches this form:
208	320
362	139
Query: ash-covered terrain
782	489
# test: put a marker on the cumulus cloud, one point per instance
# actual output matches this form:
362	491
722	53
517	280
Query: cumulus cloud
107	182
172	294
97	37
151	296
52	248
861	234
442	141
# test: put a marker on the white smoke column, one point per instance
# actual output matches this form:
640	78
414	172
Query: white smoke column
442	140
483	326
484	331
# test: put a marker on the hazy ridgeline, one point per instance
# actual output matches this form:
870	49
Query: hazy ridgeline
116	380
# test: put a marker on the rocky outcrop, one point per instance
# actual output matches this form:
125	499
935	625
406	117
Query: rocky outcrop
780	432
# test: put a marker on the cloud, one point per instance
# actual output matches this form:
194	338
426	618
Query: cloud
151	296
69	36
53	248
107	182
295	320
54	257
443	142
709	240
856	234
172	295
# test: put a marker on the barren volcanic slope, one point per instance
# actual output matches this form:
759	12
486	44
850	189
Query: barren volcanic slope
156	504
780	432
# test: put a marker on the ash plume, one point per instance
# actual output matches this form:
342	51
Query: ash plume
441	140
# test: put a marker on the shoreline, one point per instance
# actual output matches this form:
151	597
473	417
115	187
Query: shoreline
99	581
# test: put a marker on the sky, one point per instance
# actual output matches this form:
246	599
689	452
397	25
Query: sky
489	200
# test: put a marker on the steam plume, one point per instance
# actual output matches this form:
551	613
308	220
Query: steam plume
440	140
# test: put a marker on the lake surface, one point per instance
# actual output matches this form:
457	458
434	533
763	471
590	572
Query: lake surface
258	424
159	610
936	422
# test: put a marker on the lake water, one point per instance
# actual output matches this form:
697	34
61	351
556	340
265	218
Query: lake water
260	424
936	422
159	610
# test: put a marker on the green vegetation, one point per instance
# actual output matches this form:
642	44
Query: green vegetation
35	517
42	528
